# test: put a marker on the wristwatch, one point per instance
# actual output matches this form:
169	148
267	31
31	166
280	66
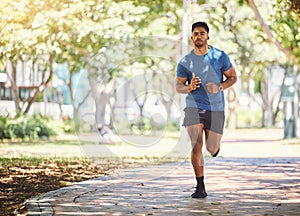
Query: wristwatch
220	87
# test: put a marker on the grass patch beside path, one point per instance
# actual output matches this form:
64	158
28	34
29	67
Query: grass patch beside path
30	169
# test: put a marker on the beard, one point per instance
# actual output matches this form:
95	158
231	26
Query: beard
199	43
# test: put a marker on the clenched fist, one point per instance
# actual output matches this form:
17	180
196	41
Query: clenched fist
195	83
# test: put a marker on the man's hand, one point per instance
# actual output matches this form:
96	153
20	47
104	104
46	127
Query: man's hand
212	88
195	83
183	88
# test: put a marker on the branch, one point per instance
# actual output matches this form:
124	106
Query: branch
270	36
13	81
39	88
83	100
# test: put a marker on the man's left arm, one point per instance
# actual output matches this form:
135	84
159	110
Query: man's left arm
231	78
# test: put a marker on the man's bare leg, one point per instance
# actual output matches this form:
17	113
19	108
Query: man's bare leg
196	135
212	142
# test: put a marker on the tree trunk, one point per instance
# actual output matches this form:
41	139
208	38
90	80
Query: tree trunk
15	89
100	98
134	90
166	83
232	106
112	104
279	101
35	93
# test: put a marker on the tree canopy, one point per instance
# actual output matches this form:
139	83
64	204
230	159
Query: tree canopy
46	32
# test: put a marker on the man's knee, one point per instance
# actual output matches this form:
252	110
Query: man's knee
212	147
196	146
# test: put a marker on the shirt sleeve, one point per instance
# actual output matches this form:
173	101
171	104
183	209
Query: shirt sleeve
226	64
181	71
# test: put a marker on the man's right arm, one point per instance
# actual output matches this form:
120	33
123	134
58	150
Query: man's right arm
183	88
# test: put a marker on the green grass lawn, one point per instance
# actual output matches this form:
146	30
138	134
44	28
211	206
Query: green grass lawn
87	146
60	148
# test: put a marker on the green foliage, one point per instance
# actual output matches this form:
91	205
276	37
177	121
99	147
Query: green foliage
68	126
257	87
201	2
249	119
72	30
31	127
285	25
4	134
100	34
75	31
241	2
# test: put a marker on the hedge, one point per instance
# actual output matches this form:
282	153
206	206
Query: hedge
26	126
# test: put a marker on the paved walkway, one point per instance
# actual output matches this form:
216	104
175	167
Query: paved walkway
240	185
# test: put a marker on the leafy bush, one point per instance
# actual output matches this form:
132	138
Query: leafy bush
68	126
249	118
26	126
40	126
3	128
16	128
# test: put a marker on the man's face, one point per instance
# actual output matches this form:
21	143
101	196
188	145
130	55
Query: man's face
200	37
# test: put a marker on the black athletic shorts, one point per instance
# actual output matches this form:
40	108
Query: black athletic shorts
212	120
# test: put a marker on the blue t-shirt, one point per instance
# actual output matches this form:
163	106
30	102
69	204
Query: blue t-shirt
209	68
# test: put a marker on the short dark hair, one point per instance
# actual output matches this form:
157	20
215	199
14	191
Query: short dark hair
200	24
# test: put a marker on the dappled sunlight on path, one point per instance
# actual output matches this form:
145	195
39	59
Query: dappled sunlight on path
235	187
256	173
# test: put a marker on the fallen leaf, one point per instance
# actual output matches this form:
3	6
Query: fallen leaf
216	203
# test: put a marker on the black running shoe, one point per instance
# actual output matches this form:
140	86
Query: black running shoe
215	154
199	193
